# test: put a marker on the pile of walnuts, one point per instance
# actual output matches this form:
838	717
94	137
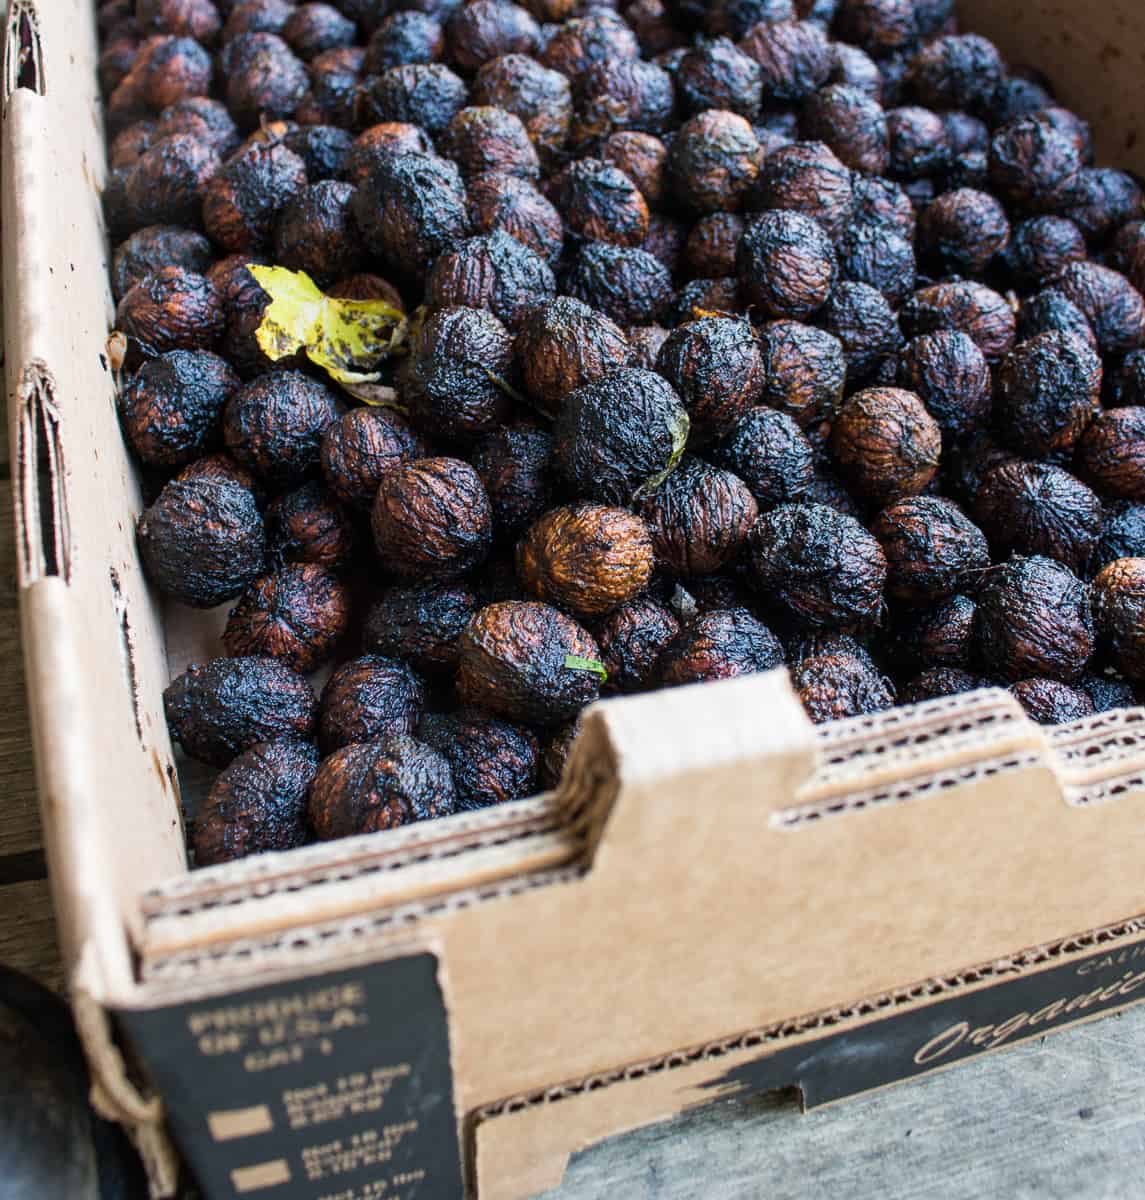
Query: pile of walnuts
742	333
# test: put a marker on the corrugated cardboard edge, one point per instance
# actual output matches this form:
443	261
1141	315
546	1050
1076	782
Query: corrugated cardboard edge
92	931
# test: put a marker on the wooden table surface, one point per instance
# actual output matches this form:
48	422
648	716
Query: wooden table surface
1061	1117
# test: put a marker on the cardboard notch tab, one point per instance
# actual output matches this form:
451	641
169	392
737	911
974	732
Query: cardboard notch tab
43	529
23	55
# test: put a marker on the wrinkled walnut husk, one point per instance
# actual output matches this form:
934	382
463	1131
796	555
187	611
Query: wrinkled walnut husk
223	707
257	804
370	786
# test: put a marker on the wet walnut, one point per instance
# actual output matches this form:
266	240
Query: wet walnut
852	124
404	37
217	710
832	687
1113	307
359	447
632	639
861	319
932	549
243	201
886	444
299	614
820	565
767	450
222	467
563	345
169	411
1037	508
151	249
806	177
1041	248
1119	614
431	519
264	79
1111	453
880	257
542	98
166	183
314	28
514	465
786	264
644	342
370	786
621	94
309	525
949	374
630	286
642	157
375	146
699	517
971	308
423	214
1049	702
274	425
715	74
963	231
710	251
368	698
599	201
919	143
1049	311
1034	619
721	644
527	662
1047	391
1108	691
1033	165
454	380
491	761
700	298
620	434
420	625
586	558
715	367
202	541
804	370
938	635
492	271
713	160
257	804
482	30
940	682
483	138
515	206
173	309
1122	534
428	95
316	233
795	58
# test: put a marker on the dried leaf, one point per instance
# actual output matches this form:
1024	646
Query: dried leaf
346	337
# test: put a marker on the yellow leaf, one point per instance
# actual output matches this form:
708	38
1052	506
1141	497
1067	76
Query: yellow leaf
346	337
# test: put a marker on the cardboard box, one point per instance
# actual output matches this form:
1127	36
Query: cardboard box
719	899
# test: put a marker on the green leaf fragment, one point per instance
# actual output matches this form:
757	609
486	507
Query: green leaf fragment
575	663
346	337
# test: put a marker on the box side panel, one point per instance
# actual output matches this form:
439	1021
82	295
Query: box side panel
337	1085
1093	54
521	1147
91	634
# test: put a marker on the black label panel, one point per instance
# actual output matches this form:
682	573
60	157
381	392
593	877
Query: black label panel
336	1087
919	1040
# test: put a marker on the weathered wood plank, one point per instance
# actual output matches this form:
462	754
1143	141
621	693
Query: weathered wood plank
28	932
1062	1118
